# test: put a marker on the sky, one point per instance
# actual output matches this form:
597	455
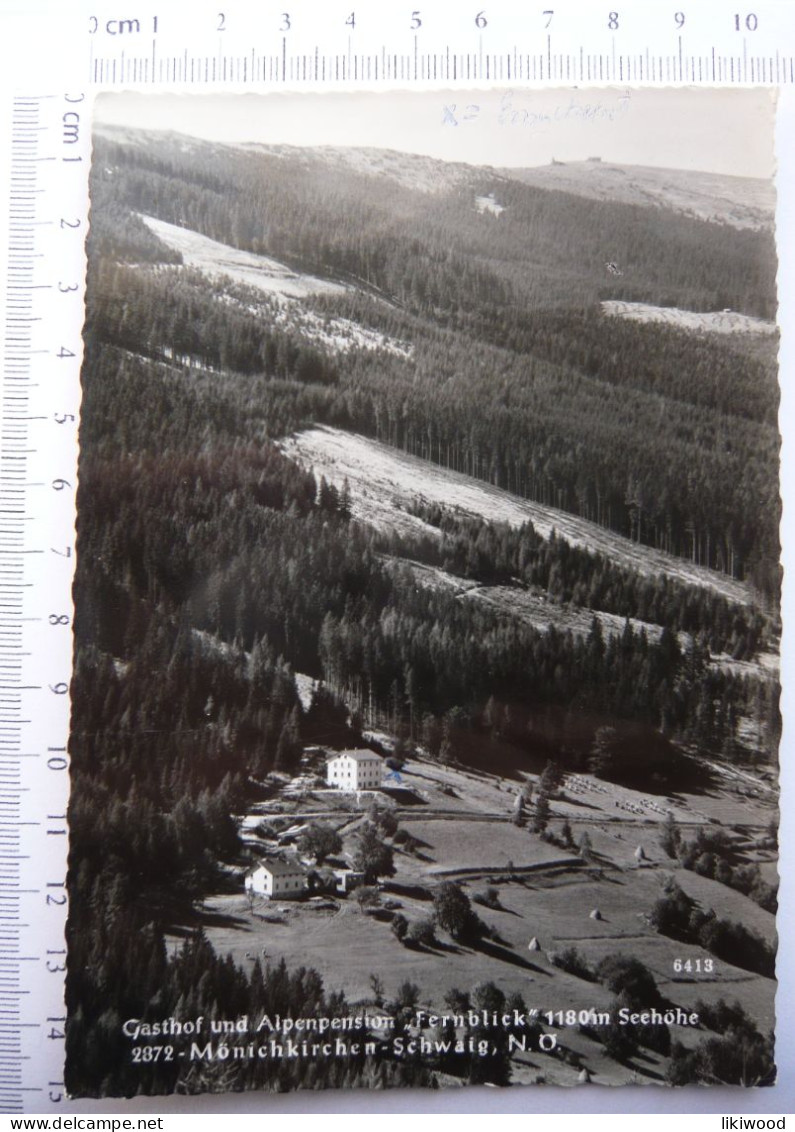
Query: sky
720	131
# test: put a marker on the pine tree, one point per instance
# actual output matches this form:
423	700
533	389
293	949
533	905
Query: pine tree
542	813
289	749
671	837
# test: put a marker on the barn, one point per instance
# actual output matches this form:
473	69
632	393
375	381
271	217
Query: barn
355	770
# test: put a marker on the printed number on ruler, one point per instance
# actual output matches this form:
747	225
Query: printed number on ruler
322	44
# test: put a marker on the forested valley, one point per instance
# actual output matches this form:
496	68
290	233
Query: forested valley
211	568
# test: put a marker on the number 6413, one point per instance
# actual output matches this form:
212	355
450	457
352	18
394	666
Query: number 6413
694	966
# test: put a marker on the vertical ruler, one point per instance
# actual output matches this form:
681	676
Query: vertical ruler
38	423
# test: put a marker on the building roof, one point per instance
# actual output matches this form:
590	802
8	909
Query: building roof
278	868
359	756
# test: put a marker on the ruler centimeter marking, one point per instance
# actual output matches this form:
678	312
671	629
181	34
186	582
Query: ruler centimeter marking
45	267
449	68
299	43
276	46
13	465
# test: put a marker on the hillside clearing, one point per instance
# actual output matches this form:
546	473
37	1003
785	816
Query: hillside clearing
712	322
383	482
216	260
533	607
489	205
273	292
452	846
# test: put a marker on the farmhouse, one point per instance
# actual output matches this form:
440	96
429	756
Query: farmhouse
280	880
355	770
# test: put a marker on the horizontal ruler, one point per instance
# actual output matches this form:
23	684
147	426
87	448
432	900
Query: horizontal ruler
306	43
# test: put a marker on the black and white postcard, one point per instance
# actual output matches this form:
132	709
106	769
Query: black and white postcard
427	609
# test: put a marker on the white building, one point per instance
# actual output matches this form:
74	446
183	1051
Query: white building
355	770
279	880
345	880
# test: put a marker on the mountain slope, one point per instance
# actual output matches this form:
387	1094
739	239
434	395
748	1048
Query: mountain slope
740	202
370	214
487	294
384	483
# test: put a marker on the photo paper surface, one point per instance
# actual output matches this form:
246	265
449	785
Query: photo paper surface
427	607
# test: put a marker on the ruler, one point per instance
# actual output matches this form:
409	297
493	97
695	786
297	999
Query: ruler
310	43
47	93
304	43
41	365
